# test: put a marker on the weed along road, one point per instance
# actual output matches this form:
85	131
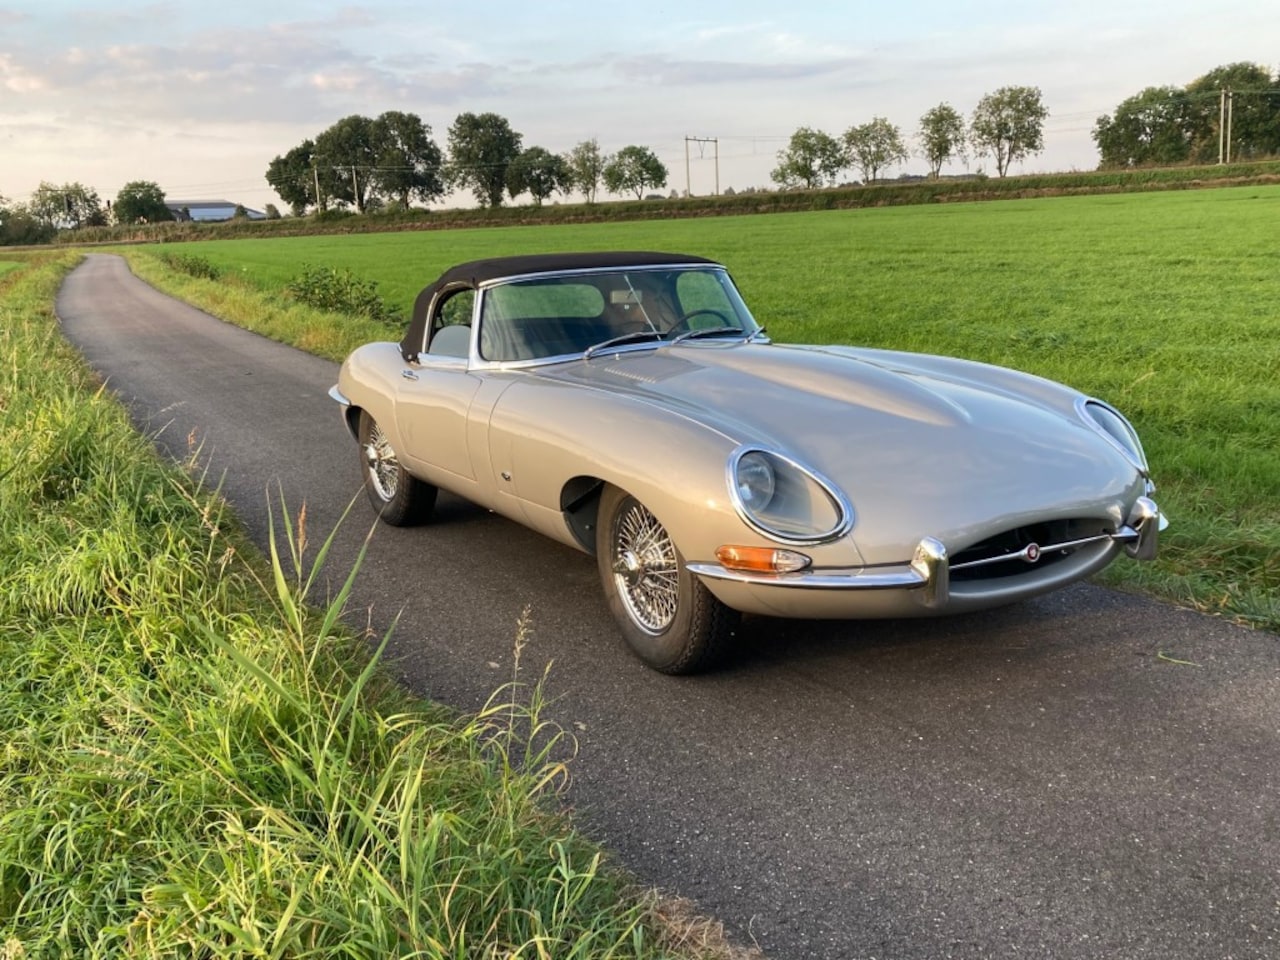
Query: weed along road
1088	775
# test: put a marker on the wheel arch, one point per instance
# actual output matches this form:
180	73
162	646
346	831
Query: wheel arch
580	504
351	417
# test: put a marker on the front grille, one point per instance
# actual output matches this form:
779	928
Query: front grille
1007	554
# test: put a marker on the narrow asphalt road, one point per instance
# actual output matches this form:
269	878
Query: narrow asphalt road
1088	775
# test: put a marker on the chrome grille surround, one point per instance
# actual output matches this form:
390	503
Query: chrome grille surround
1024	549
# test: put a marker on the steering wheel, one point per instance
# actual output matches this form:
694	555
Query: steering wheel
683	322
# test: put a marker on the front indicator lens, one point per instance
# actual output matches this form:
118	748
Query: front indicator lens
762	559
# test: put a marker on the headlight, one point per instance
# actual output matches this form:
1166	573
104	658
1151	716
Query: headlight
1112	425
754	480
783	500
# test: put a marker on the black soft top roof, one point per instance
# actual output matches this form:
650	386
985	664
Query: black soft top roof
475	272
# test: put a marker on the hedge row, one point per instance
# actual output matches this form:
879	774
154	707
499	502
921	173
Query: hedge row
893	193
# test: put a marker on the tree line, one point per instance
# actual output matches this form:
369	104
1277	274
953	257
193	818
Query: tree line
392	160
1007	125
70	206
1230	113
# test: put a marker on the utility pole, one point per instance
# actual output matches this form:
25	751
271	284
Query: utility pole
1230	110
355	190
1222	122
315	172
700	140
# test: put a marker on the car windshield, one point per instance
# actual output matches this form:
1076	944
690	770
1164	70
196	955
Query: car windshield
571	313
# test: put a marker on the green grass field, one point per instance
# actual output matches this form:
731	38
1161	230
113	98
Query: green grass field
7	265
1167	305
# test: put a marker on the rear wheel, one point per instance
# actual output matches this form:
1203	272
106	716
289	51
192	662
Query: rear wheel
668	618
400	499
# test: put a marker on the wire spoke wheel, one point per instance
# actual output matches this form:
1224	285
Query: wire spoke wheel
646	570
400	498
381	462
668	618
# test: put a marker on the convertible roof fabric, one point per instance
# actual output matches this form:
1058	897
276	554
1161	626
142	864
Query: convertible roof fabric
475	272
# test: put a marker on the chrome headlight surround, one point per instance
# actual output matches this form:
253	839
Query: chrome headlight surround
763	481
1112	425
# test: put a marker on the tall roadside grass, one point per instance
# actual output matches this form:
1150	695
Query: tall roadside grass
195	762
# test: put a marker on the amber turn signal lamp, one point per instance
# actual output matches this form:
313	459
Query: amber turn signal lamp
761	559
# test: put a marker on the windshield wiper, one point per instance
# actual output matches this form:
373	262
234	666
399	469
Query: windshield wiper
709	332
638	336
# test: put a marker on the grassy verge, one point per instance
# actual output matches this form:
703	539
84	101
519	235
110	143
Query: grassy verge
195	762
1161	303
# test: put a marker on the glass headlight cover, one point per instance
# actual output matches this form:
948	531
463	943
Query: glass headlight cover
783	500
1112	425
754	480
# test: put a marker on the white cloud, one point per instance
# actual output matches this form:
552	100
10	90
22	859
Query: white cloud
206	94
16	78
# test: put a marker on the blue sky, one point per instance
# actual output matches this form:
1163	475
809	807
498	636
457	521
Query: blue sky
200	96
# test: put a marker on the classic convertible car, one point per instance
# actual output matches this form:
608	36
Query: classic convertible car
628	405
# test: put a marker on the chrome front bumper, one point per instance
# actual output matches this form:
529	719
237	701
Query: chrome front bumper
929	570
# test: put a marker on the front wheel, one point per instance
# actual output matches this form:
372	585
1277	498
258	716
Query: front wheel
668	618
400	499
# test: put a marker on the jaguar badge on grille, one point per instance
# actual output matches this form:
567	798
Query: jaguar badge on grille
1031	553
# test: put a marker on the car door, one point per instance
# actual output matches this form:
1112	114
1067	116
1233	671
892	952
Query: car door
436	393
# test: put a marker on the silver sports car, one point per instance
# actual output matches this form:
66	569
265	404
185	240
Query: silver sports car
628	405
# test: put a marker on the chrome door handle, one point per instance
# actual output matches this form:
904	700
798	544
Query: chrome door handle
408	375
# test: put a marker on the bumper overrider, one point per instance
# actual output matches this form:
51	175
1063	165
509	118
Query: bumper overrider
926	578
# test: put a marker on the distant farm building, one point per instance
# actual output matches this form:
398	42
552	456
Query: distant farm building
208	211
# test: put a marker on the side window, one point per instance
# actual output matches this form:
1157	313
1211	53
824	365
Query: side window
456	309
451	325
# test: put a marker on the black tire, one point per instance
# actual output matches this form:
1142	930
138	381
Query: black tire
400	499
668	618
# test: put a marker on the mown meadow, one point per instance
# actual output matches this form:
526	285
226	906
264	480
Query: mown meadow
1167	305
195	761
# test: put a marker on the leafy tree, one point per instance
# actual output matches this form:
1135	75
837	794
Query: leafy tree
346	155
873	146
1008	125
1156	126
586	168
481	147
409	163
141	201
635	169
941	136
292	177
19	228
812	159
69	205
1255	111
539	172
